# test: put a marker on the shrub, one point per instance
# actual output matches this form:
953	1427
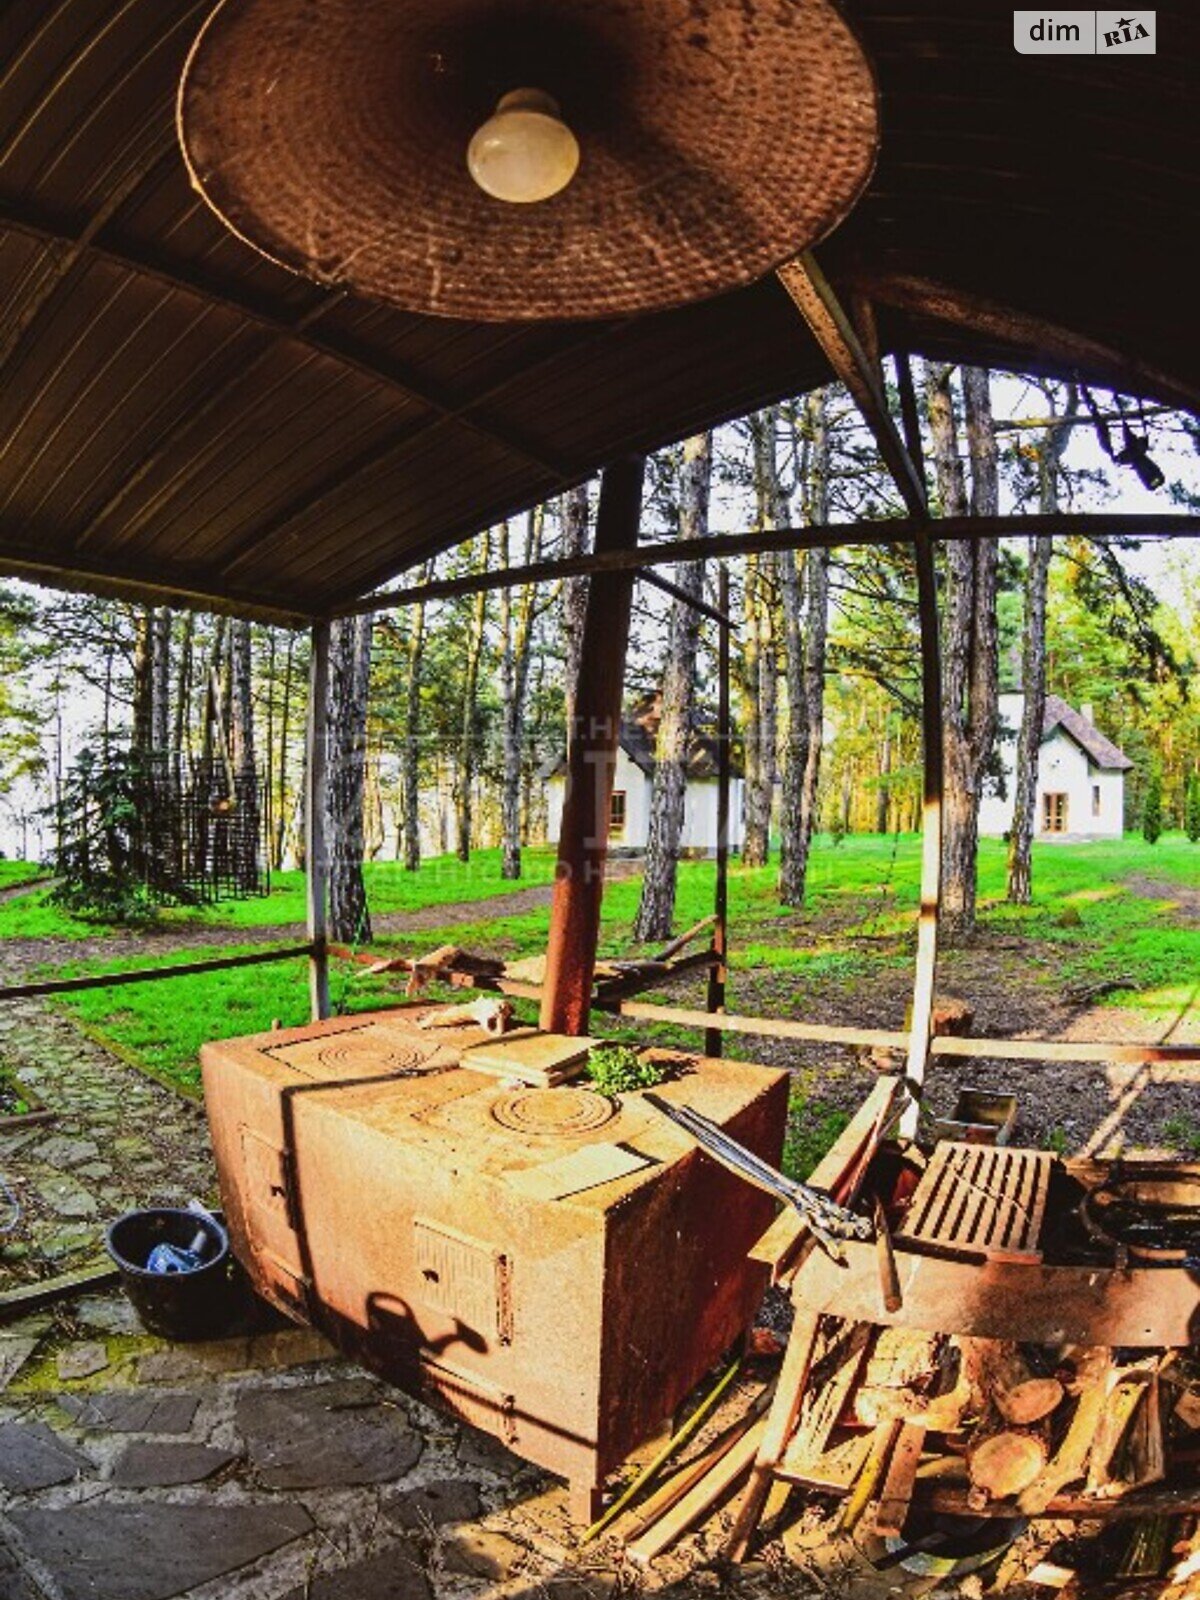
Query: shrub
1191	808
1152	815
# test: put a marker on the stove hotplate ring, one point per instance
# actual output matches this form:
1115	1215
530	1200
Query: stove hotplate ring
564	1113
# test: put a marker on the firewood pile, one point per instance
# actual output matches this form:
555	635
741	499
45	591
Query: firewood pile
894	1424
898	1436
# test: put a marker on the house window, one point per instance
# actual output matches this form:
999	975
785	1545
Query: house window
1095	799
1054	813
616	815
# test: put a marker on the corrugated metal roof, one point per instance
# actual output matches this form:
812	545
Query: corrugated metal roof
179	415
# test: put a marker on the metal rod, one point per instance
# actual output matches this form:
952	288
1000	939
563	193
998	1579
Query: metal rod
184	969
676	593
718	975
721	546
316	844
591	761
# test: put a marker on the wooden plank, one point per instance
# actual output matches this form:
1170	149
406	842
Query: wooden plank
823	1405
701	1498
17	1302
896	1495
641	1518
817	303
316	845
1172	1500
780	1421
835	1469
528	1053
767	1027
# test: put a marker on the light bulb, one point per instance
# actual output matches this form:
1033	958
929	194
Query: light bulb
525	152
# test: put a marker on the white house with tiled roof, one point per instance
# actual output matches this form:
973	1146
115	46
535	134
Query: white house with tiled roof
1081	775
633	782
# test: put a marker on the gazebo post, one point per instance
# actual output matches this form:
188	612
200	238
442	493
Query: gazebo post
316	847
591	761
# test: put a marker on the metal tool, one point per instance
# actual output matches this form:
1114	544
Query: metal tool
828	1222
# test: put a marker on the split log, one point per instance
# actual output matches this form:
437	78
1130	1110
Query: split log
1018	1395
1003	1462
1127	1389
1070	1459
904	1369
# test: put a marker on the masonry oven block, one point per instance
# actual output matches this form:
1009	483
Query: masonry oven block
550	1265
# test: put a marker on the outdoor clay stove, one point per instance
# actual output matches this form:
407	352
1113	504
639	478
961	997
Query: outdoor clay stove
552	1265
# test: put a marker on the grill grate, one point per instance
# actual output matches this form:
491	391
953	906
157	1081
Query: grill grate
980	1198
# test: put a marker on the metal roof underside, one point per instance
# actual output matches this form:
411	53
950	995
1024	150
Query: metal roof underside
179	417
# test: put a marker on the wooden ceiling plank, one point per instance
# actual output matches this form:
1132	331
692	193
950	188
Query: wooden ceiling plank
390	374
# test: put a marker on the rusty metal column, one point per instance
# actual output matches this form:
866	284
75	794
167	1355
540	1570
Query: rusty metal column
591	759
316	845
719	974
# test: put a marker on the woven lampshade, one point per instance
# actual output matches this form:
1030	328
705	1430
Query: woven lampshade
717	138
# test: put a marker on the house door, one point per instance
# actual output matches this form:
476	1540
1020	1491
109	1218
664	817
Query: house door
1054	813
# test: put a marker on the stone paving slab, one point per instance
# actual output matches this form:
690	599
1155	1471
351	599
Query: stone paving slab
445	1500
326	1434
138	1412
150	1464
152	1552
120	1140
32	1456
388	1575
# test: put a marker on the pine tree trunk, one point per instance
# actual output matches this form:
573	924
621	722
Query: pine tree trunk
517	619
161	680
209	734
410	768
468	734
346	744
285	711
1033	668
575	590
761	671
143	680
668	797
180	737
806	622
883	793
241	720
970	643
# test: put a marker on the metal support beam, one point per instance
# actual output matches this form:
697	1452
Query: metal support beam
718	975
591	761
316	844
842	535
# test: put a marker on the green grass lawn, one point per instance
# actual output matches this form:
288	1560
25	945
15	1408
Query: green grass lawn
160	1026
1086	925
14	872
443	880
